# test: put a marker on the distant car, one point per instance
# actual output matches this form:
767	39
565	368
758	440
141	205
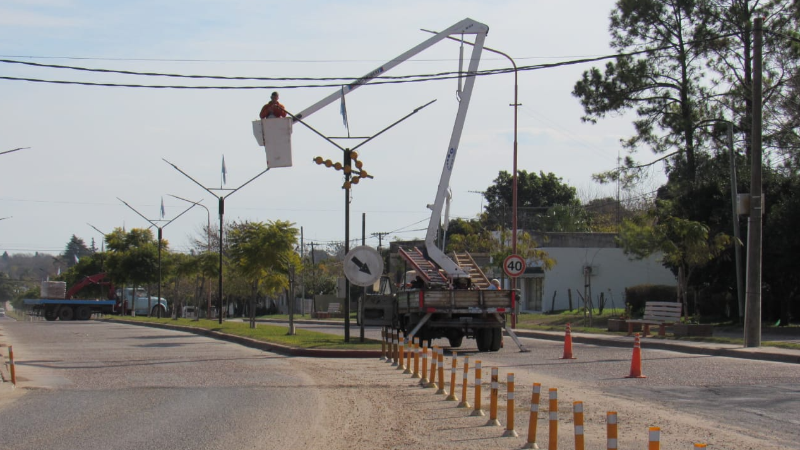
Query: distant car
2	312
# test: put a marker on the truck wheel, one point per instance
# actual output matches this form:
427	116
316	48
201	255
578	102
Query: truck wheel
496	338
455	341
156	309
50	314
483	339
66	313
83	313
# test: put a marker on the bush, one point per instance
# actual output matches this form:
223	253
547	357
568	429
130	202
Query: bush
636	296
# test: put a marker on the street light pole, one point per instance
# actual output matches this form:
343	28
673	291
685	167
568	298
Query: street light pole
221	199
208	246
516	105
159	228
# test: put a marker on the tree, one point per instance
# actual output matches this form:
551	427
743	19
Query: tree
536	194
263	253
685	245
133	256
75	250
664	86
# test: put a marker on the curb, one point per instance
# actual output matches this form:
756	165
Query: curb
261	345
730	352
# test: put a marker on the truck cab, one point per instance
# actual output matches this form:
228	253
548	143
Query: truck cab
137	301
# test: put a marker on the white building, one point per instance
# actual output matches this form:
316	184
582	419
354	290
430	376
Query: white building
585	261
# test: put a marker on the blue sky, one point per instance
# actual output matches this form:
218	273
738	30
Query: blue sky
90	145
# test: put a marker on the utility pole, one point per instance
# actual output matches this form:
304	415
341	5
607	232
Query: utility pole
752	318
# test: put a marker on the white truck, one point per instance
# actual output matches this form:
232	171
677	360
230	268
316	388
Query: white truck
447	304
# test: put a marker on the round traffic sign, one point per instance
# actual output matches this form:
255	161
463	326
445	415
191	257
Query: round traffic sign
363	265
514	266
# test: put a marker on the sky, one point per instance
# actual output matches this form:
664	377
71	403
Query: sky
90	148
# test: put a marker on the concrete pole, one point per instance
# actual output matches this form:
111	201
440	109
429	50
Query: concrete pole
752	328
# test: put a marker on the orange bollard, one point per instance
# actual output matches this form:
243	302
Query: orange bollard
424	379
478	380
699	445
493	422
611	430
434	360
577	412
534	419
510	431
636	360
401	354
11	367
452	397
440	369
464	378
552	442
409	348
654	438
568	344
415	374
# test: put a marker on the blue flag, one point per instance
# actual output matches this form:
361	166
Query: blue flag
343	110
224	171
162	207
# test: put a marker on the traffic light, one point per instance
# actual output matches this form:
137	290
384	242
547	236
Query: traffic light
347	167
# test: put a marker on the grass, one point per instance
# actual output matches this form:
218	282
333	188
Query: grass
267	333
558	320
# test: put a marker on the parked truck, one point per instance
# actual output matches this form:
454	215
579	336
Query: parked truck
57	302
451	299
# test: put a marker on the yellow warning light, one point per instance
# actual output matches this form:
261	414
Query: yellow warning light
348	169
356	179
318	160
364	174
328	163
346	185
354	155
359	164
337	166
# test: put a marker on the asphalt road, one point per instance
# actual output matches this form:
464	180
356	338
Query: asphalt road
95	385
760	397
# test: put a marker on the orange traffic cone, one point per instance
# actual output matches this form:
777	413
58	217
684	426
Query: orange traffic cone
568	345
636	360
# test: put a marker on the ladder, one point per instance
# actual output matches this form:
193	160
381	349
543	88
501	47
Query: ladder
426	269
476	275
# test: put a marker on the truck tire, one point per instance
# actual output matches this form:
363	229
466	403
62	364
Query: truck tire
66	313
50	314
496	339
156	309
483	339
83	313
455	341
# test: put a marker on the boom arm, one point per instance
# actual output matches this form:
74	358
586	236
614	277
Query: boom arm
466	26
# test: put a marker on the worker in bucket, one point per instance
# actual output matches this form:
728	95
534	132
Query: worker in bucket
495	284
273	108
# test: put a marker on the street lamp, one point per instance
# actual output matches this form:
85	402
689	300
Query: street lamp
160	234
208	247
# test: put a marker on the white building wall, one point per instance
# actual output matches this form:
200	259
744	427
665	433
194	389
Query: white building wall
612	272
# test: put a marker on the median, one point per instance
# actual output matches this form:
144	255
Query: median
272	338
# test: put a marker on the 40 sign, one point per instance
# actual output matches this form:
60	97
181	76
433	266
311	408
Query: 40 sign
514	266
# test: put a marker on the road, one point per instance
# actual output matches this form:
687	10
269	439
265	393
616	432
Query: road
94	385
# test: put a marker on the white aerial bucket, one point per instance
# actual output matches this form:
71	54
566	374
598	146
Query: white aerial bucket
275	135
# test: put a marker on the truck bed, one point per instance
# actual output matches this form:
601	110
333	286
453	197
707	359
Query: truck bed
56	301
455	301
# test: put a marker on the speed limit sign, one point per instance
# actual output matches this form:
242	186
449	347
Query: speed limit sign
514	266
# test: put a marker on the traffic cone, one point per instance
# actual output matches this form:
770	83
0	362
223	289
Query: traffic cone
636	360
568	345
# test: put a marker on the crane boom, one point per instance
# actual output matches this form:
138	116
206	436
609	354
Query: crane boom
466	26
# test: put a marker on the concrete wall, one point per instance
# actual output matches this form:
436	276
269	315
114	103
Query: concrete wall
612	272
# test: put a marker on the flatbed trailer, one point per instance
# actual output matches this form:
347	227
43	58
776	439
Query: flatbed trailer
52	309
